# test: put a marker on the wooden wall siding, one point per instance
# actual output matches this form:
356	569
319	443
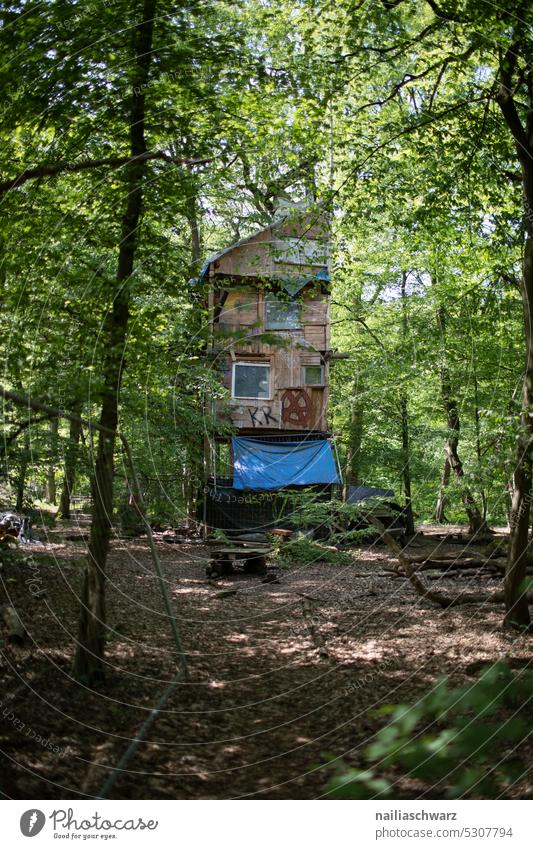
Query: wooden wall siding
256	414
318	420
286	364
315	311
315	334
254	259
241	308
288	269
264	414
309	359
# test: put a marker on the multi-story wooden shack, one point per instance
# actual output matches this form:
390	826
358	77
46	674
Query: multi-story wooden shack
269	308
270	343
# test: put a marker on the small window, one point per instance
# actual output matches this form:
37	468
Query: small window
281	315
251	380
313	375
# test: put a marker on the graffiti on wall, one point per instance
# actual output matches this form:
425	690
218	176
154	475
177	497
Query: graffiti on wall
262	416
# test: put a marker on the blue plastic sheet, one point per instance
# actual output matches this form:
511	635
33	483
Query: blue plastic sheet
262	465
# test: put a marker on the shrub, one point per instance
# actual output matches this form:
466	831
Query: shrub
451	736
302	551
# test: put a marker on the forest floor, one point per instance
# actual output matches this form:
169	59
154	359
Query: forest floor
283	676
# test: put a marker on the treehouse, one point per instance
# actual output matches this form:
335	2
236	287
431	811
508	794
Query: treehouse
270	344
269	314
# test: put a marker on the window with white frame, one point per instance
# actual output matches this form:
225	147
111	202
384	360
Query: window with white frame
313	375
251	380
281	315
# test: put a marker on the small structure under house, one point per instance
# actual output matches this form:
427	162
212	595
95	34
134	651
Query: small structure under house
270	343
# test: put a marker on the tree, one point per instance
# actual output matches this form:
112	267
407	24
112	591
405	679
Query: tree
88	664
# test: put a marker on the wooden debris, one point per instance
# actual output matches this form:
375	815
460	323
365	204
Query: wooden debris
434	596
16	632
226	593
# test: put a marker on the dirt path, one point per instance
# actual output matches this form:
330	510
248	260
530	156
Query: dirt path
284	676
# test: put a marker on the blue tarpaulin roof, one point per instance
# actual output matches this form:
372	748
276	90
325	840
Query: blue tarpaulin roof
262	465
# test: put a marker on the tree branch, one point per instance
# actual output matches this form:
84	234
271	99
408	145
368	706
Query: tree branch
445	15
504	99
56	168
10	438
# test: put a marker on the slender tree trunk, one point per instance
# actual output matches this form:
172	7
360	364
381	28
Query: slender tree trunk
89	660
196	241
21	477
451	452
406	464
71	462
194	468
515	589
406	470
478	439
51	490
441	500
355	437
515	586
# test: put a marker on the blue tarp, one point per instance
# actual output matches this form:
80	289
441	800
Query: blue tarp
262	465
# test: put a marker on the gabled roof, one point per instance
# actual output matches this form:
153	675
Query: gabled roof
295	241
239	244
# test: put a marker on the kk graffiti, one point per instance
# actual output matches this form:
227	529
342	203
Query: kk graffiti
262	416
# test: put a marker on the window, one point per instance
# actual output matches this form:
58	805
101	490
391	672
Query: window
281	315
251	380
313	376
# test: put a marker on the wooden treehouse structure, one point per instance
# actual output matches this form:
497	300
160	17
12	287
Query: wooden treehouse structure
270	345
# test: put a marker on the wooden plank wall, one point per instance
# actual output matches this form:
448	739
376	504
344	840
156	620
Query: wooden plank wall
242	308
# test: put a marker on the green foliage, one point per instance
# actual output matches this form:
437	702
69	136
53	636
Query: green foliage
281	100
466	739
332	519
305	552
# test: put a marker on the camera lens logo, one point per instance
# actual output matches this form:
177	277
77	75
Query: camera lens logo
32	822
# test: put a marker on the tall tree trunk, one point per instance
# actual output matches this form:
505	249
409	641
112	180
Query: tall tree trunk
71	462
89	660
21	477
406	464
451	452
515	588
51	490
406	470
194	224
478	438
355	436
194	450
441	499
